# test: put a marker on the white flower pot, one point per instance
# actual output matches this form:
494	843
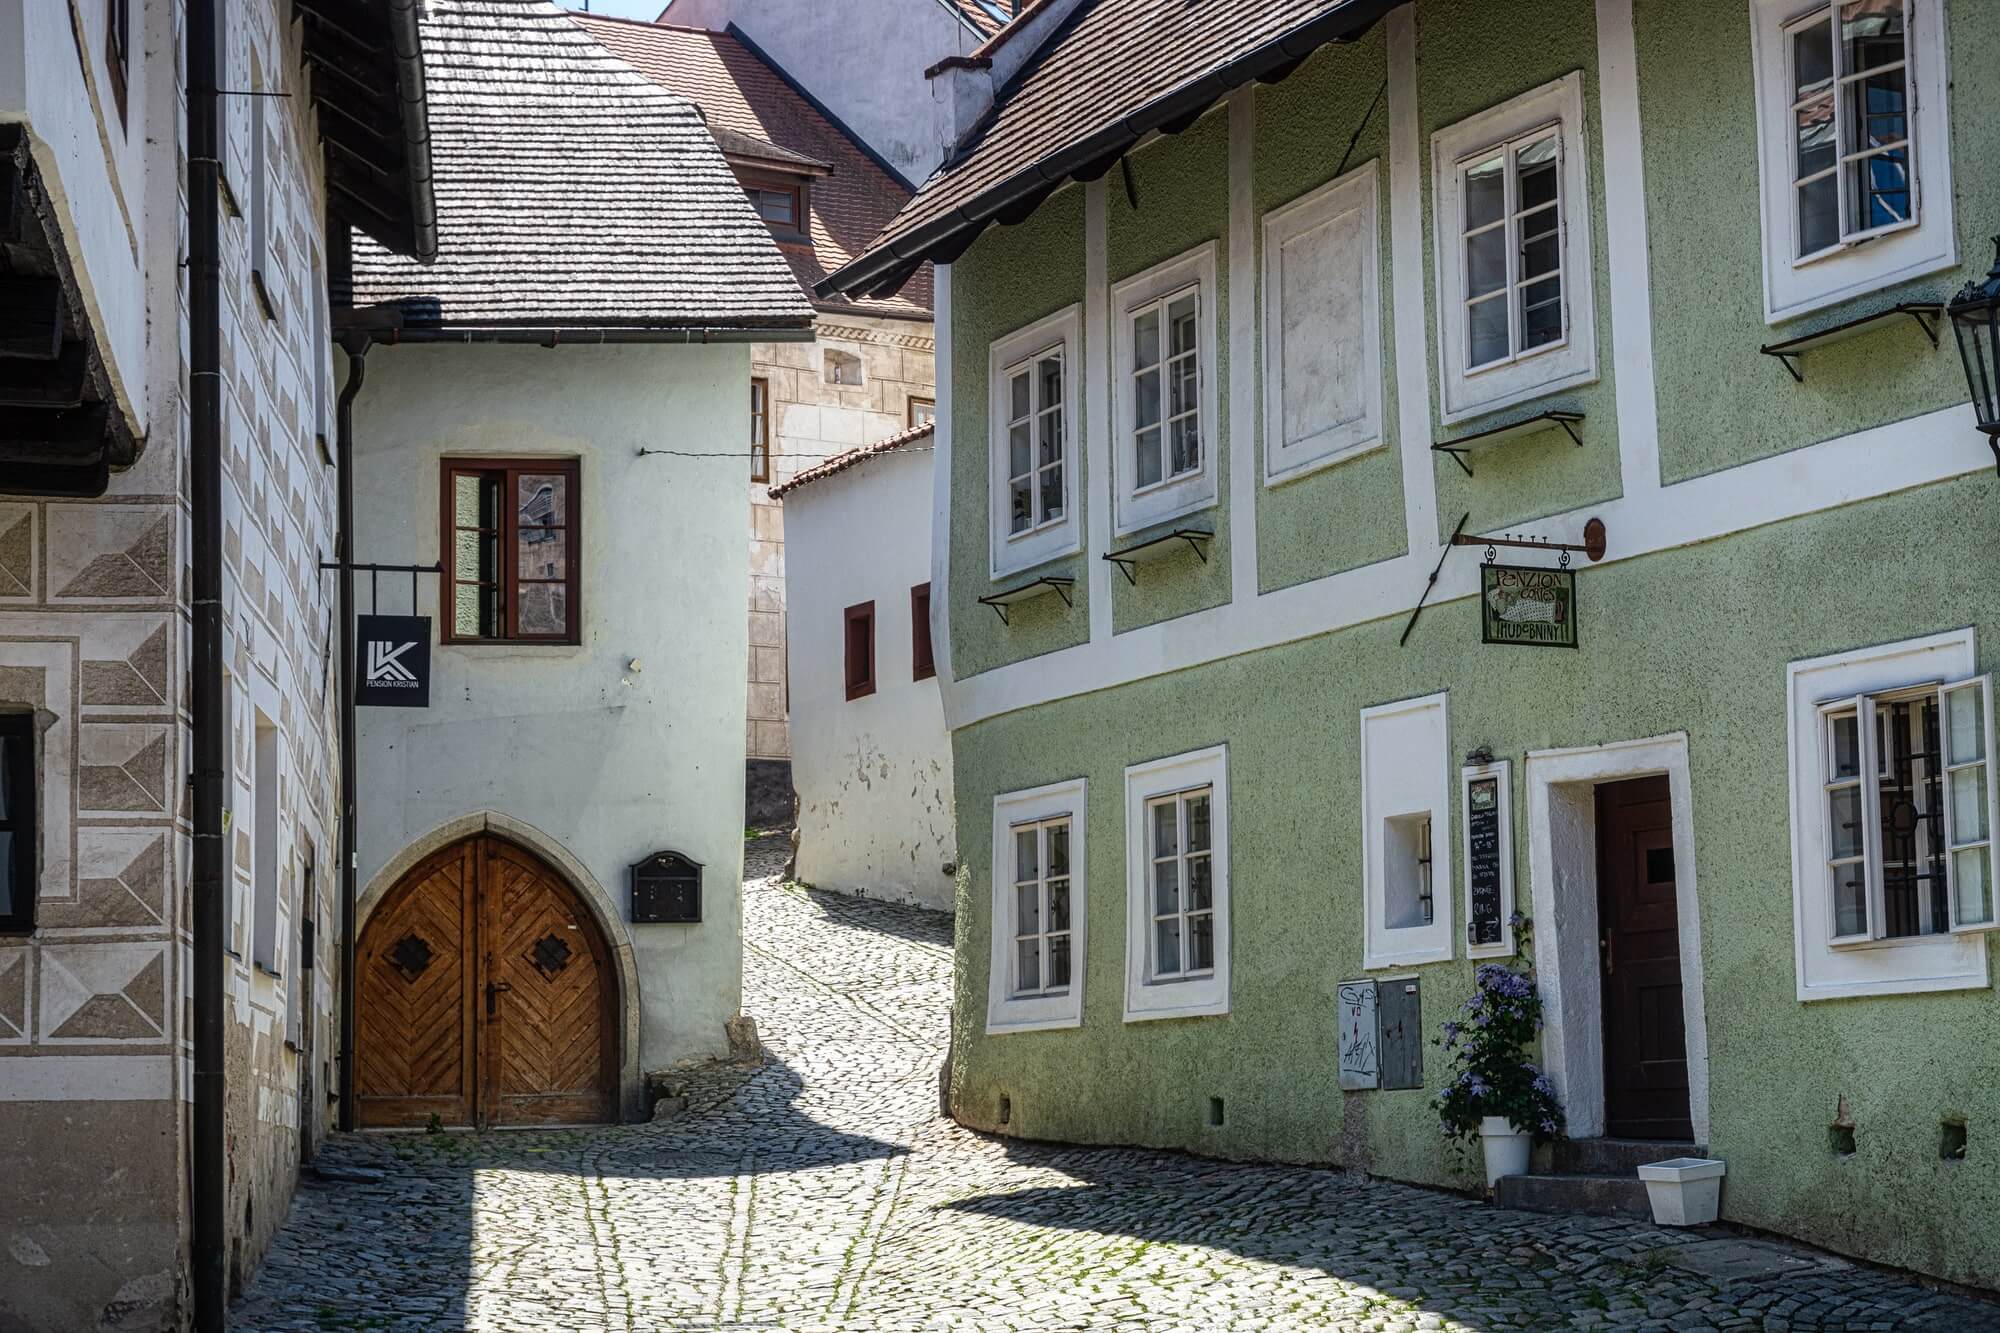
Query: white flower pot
1506	1148
1685	1191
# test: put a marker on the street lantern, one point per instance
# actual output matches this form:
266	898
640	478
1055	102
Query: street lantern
1975	318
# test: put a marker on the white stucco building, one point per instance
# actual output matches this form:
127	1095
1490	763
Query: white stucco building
870	755
554	415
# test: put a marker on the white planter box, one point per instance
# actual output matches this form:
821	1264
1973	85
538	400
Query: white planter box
1505	1148
1684	1192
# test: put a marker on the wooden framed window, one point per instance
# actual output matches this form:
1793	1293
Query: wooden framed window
1164	401
860	632
511	543
118	49
1177	868
760	429
1038	909
785	205
922	667
1041	908
923	411
20	829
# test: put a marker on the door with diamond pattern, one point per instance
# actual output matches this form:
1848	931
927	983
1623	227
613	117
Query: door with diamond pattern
483	997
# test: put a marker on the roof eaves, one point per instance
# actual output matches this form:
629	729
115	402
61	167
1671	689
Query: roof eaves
945	238
841	462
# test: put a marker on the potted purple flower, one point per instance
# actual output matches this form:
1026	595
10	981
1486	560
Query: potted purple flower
1497	1094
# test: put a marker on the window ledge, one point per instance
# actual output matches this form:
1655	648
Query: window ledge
1159	548
1460	445
1060	585
1928	315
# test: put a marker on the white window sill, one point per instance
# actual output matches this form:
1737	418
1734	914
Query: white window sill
1152	517
1203	997
1409	957
1284	475
1007	1021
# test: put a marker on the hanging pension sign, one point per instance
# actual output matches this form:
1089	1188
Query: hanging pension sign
394	670
1536	607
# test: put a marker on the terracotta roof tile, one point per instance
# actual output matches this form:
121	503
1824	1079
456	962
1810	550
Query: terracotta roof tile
853	458
572	192
742	95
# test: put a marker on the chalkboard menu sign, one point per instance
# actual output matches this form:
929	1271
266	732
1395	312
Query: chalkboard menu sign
1489	861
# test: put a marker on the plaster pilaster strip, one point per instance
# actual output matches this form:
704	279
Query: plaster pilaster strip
1244	381
1406	267
1626	249
1098	447
941	467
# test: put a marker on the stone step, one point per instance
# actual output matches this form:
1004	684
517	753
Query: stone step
1612	1157
1587	1195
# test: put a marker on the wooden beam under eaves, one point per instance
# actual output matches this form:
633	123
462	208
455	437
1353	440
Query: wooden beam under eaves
31	317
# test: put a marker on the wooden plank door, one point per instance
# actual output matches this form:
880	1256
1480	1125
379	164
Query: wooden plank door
548	1040
1645	1034
414	982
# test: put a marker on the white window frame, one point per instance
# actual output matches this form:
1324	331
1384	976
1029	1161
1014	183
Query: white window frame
1353	200
1010	552
1006	1011
1137	509
1868	261
1405	773
1203	993
1464	392
1828	968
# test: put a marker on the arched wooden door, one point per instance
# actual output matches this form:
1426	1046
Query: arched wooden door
483	996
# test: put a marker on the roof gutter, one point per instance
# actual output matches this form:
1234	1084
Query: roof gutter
1094	154
556	336
404	16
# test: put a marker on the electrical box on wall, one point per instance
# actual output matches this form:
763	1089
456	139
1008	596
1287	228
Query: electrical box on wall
1400	1021
666	889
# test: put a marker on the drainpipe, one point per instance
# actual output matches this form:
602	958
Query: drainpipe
207	1159
356	344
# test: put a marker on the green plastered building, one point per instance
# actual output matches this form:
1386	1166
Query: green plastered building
1244	310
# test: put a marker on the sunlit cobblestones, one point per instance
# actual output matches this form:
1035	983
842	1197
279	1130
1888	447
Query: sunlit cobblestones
821	1190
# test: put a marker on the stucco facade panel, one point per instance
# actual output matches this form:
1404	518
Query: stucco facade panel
1663	652
1722	404
1471	57
1013	276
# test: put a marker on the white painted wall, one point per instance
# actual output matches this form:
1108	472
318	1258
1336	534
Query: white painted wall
94	166
610	761
873	774
863	62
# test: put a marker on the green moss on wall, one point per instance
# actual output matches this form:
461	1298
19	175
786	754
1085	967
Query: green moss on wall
1182	182
1721	403
1350	514
1461	44
1011	277
1694	640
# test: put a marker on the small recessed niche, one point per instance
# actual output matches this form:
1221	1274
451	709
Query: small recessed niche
1215	1112
1841	1139
1951	1141
1006	1109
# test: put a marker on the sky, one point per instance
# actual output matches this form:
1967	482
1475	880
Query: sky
624	9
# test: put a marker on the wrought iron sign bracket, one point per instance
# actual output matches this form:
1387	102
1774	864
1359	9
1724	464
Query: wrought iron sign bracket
1033	588
1461	445
1592	546
1927	315
1166	544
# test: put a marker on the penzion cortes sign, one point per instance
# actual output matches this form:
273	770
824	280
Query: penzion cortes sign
1536	607
394	670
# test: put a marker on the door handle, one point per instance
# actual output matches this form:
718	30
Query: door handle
1610	954
493	989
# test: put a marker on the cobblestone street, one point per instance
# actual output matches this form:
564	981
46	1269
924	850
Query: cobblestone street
822	1190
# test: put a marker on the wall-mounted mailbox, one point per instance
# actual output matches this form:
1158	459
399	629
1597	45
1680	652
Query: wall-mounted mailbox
666	888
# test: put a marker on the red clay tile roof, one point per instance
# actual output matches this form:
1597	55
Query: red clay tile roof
1113	72
980	17
743	96
902	439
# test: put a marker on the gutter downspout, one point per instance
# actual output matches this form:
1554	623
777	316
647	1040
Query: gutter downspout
404	18
208	1155
356	344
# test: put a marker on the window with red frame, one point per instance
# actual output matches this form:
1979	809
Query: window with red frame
922	667
510	550
860	622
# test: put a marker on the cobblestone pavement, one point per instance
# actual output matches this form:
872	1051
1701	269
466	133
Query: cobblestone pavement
822	1190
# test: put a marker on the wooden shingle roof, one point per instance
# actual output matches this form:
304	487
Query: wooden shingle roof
1112	73
573	193
748	102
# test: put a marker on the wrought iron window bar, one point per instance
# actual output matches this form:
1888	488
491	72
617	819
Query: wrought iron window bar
1927	314
1157	548
1033	588
1459	446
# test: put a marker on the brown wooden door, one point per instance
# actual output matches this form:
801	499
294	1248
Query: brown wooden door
483	997
1645	1035
414	975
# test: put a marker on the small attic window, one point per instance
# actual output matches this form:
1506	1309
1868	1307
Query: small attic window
842	367
784	203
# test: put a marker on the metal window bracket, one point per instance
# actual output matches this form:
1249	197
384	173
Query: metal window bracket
1165	544
1928	316
1057	584
1459	446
